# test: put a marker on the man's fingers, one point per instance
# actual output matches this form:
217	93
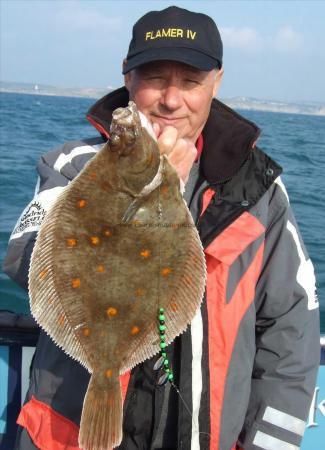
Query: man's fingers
183	149
182	157
167	140
181	152
156	129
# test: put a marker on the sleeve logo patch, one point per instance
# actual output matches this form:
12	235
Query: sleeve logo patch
33	215
305	274
32	218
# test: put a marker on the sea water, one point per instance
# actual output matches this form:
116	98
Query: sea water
31	125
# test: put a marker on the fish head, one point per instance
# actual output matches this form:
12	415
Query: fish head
134	145
125	128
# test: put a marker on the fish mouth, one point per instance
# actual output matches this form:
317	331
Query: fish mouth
126	117
131	118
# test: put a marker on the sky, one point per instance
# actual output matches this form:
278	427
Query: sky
273	49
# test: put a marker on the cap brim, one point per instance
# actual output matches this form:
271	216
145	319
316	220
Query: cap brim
184	55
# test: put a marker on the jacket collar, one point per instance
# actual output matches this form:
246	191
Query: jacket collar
228	137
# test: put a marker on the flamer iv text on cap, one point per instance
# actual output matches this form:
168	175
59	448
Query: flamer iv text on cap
175	34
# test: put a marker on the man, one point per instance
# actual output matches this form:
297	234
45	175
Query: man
246	367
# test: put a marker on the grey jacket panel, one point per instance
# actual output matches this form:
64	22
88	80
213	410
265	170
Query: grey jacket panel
287	340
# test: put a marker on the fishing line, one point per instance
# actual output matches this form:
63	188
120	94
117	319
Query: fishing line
196	428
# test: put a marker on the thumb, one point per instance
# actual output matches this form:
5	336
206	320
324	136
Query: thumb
156	129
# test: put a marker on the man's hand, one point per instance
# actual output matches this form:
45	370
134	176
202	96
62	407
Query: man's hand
181	152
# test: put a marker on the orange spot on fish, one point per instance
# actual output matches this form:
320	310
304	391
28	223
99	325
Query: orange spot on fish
135	330
174	306
145	253
108	373
61	320
166	271
164	189
94	240
139	292
81	203
107	232
71	242
75	282
42	274
93	175
100	268
86	332
111	312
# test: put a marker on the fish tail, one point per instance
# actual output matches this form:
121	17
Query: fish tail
101	419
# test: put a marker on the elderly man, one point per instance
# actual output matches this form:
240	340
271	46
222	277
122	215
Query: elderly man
245	369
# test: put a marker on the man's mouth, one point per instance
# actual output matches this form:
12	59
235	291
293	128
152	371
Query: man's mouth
167	119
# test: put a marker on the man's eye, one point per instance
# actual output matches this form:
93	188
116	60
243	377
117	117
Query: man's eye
191	81
154	77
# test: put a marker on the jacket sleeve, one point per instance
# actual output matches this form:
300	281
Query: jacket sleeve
287	336
49	185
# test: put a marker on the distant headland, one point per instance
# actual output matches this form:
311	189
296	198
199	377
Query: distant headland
245	103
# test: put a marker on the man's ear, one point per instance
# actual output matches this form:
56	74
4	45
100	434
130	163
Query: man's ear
126	76
217	81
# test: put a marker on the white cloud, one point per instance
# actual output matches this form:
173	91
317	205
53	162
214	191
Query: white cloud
285	39
243	38
77	17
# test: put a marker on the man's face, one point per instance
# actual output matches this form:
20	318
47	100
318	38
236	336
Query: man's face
173	93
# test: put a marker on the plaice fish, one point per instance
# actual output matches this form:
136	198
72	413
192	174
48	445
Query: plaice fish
118	244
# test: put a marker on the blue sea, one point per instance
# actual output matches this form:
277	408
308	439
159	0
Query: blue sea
31	125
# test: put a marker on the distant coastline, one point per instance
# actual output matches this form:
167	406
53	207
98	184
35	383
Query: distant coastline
245	103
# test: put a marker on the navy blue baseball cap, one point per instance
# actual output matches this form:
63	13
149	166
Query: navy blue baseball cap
175	34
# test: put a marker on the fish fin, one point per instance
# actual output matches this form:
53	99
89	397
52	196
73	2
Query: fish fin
187	297
101	420
48	309
131	210
150	187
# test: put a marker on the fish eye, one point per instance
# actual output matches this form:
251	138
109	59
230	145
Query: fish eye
129	137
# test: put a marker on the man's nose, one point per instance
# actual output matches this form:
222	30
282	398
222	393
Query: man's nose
172	97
